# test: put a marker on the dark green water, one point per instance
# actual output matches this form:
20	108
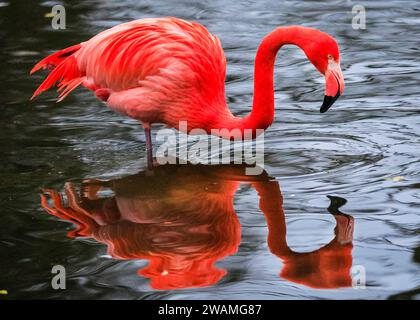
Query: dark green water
365	150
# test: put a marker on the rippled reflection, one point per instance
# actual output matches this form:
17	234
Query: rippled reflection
182	220
327	267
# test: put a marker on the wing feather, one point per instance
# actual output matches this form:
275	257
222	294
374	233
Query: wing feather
146	52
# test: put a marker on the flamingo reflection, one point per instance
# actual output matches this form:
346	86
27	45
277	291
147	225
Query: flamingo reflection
182	220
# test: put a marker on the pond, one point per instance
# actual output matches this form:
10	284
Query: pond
335	214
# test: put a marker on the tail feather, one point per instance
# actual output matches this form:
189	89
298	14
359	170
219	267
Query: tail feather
69	87
55	58
66	72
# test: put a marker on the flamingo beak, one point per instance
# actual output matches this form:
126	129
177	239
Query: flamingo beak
328	102
334	85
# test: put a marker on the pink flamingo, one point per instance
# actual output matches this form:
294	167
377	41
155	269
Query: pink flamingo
167	70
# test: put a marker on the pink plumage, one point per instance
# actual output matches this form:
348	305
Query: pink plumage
148	69
167	70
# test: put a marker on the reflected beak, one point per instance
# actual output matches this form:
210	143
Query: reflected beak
334	85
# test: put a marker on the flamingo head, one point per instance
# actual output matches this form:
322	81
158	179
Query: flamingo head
324	54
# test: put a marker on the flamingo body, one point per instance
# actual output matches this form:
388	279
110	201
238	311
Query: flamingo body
161	70
167	70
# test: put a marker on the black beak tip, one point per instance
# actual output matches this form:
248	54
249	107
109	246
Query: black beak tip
328	102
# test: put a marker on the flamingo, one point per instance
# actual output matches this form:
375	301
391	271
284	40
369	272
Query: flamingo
167	70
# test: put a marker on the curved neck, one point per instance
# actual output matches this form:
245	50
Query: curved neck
262	113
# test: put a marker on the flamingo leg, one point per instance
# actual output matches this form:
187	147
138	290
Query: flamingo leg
149	147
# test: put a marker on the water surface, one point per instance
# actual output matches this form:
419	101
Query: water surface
214	231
